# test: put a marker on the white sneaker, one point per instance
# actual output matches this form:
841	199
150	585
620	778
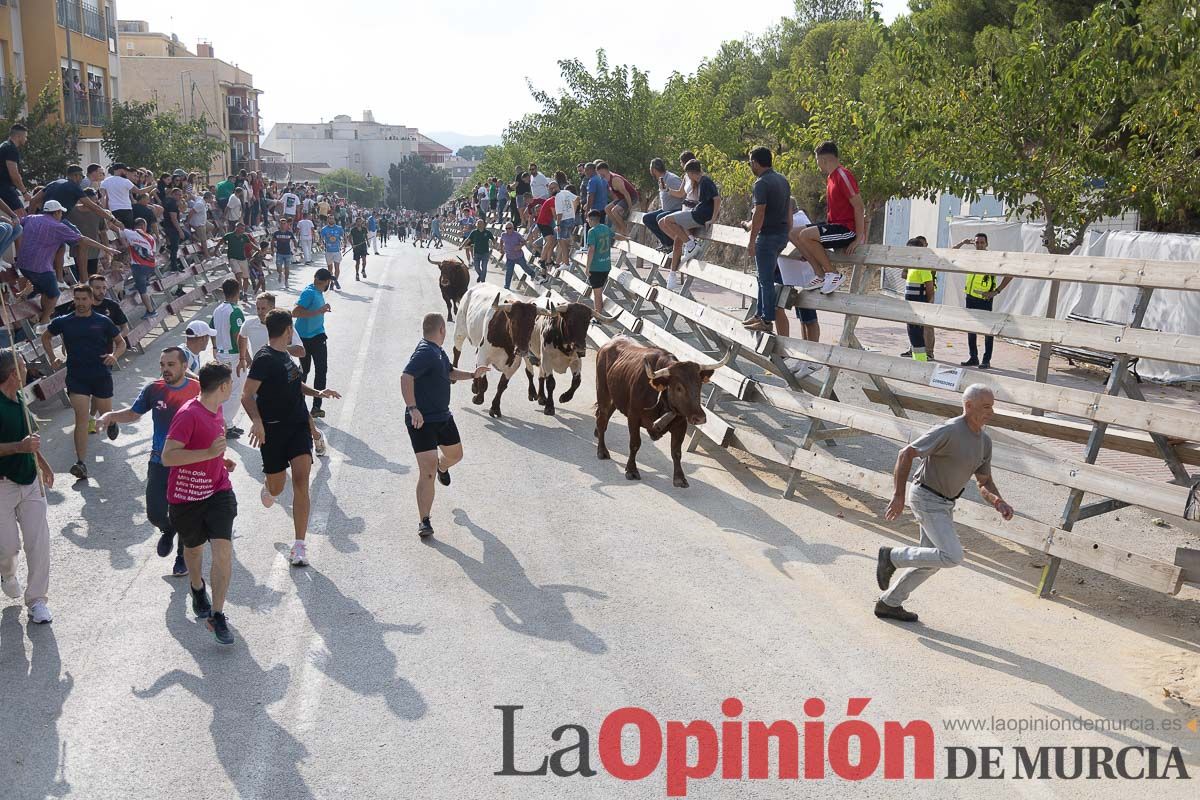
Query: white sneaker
672	281
11	585
690	248
816	283
800	368
39	613
299	555
319	446
265	496
831	282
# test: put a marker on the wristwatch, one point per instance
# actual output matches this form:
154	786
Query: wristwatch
409	408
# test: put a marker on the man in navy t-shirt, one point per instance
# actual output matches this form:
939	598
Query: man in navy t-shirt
425	386
161	400
93	344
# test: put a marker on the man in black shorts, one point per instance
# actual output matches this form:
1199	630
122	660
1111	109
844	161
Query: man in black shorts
274	399
201	503
425	386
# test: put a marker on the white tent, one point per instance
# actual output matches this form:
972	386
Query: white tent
1178	312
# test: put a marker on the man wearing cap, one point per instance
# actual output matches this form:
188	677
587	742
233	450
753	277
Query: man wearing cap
196	336
42	236
309	313
119	188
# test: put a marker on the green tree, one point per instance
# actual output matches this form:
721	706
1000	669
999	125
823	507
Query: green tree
353	186
53	145
414	184
140	135
472	152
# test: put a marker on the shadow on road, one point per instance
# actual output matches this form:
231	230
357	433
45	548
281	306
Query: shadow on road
108	518
521	606
32	693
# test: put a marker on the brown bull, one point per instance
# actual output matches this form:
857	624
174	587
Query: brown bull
655	391
454	280
498	325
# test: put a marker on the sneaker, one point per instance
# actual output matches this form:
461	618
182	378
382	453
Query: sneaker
180	569
231	433
425	529
443	476
267	499
319	446
113	431
689	249
800	368
884	568
165	542
664	248
200	605
672	281
970	362
91	425
39	613
898	613
219	625
816	283
299	555
79	470
760	325
831	282
985	365
318	413
907	353
11	585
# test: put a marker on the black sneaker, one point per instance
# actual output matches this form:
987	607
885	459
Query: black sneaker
970	362
444	477
884	611
232	433
318	413
113	431
180	569
907	353
425	529
200	605
220	628
985	365
79	470
884	568
165	541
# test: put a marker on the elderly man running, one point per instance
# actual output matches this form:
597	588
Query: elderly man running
951	453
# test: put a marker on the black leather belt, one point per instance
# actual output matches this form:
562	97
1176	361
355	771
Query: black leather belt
929	488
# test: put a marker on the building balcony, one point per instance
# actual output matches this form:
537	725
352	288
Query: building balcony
82	17
83	108
240	122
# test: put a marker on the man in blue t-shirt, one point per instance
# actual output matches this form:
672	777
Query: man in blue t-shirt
161	400
333	235
425	386
93	343
373	233
309	314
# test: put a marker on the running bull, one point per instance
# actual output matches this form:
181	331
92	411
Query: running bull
498	324
559	343
454	280
655	391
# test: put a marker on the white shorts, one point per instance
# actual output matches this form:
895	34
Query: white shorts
333	258
238	267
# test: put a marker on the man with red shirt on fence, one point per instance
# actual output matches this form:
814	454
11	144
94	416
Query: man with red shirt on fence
845	227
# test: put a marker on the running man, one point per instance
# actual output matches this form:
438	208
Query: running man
845	227
304	230
309	313
425	386
280	424
284	242
230	348
237	244
332	235
162	399
480	241
92	344
951	453
372	235
360	236
200	496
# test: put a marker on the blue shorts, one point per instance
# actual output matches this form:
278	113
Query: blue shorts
806	314
93	384
565	228
44	283
142	277
283	259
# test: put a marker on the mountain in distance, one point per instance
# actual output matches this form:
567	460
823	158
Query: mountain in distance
456	140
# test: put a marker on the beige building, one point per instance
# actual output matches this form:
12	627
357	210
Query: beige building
159	68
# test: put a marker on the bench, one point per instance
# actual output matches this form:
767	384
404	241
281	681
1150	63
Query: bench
1098	358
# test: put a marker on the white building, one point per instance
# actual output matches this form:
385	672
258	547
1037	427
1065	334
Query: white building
364	146
460	169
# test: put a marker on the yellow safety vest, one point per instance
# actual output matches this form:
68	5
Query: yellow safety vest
919	276
979	285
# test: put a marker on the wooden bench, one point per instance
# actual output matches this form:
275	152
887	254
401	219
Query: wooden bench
1098	358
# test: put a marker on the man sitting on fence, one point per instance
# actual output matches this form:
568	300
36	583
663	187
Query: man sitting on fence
845	227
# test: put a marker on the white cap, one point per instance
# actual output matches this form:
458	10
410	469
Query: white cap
50	206
200	328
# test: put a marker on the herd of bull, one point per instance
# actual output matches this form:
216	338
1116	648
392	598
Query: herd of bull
651	387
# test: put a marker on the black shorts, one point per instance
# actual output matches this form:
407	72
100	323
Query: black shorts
547	230
125	216
432	435
360	251
204	520
596	280
806	314
93	384
835	237
285	441
10	195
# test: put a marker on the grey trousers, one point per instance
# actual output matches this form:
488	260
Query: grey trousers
939	546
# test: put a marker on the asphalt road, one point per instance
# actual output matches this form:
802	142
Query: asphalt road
553	584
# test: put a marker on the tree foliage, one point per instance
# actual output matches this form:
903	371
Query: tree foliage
140	135
414	184
471	152
353	186
53	145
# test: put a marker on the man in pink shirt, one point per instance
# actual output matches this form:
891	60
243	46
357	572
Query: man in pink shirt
201	503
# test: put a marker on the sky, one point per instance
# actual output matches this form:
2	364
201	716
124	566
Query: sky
412	63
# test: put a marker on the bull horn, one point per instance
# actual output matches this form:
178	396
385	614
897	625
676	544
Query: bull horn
656	376
429	258
724	359
541	312
605	318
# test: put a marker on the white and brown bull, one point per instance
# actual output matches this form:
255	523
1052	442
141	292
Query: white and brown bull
558	344
655	391
498	324
454	279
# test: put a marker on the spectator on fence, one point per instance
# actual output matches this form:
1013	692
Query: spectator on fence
845	227
981	291
599	256
668	203
566	210
42	237
237	249
69	192
522	192
224	191
677	225
233	209
514	252
597	192
197	221
119	189
12	186
92	344
142	248
501	204
91	225
173	226
480	241
539	183
919	287
10	230
625	198
544	219
769	227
